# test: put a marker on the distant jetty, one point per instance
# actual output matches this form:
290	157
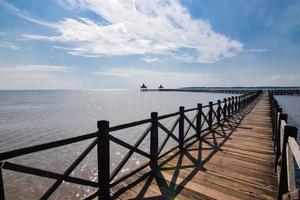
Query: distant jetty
229	90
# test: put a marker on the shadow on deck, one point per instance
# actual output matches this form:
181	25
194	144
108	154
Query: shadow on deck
233	161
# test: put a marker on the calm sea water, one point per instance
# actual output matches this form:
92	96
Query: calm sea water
291	106
34	117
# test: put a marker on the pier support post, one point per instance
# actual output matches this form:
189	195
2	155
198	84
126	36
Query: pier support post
103	154
289	131
154	141
210	115
199	120
181	127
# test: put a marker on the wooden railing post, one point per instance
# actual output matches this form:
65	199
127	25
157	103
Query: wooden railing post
243	101
229	106
2	194
276	125
277	141
275	110
239	103
154	140
289	131
199	120
232	104
225	108
219	112
236	104
210	115
181	127
103	155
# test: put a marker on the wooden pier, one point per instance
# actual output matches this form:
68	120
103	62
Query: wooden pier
236	161
224	91
239	148
284	91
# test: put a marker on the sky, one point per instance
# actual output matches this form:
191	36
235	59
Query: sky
120	44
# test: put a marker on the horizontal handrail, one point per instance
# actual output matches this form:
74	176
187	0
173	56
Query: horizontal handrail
168	115
41	147
129	125
47	174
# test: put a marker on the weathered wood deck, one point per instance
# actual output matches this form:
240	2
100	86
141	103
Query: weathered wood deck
235	161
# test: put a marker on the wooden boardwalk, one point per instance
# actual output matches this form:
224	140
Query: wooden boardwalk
235	161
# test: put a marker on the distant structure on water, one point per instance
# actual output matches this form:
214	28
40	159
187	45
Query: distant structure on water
143	87
160	87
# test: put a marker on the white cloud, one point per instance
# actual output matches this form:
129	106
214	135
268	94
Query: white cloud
169	79
9	45
35	68
150	59
39	37
140	27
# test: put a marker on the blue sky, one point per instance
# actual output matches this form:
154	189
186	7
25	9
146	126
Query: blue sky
90	44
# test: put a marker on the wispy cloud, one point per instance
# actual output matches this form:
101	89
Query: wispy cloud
9	45
24	15
35	68
170	79
150	59
139	27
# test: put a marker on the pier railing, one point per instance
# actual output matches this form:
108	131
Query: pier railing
287	152
225	91
205	118
285	92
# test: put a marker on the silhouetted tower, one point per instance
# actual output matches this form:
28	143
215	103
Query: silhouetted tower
160	87
143	87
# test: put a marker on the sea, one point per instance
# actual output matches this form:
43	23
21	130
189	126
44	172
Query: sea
38	116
